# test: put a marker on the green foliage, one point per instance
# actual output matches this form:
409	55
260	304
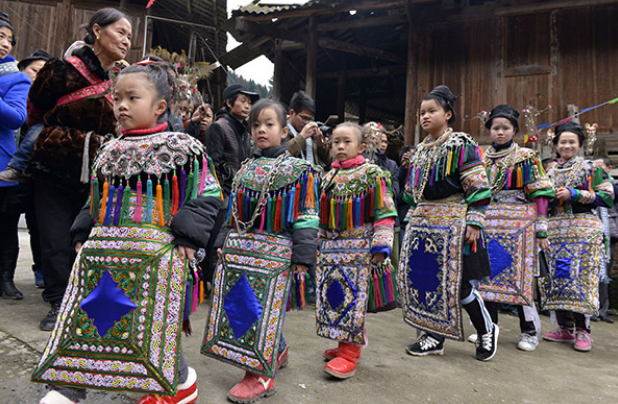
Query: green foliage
262	90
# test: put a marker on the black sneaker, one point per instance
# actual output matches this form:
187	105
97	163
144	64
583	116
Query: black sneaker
487	344
49	322
426	345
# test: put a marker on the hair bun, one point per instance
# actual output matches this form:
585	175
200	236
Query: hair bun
445	93
4	17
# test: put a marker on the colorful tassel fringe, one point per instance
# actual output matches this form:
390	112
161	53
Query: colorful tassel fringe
382	289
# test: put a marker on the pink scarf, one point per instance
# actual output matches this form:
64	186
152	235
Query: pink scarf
353	162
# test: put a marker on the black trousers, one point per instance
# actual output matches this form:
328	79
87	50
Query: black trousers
9	239
56	209
525	326
209	265
569	320
33	229
475	308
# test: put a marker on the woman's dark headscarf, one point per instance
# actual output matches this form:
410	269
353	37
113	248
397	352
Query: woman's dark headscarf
504	111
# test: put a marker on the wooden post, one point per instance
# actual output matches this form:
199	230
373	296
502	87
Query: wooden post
362	108
341	87
312	57
410	115
279	71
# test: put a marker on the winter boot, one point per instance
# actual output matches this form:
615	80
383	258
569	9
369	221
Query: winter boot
344	365
7	273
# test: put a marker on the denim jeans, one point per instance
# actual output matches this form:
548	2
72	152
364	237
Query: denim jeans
22	156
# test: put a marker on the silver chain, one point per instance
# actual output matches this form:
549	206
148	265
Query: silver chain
243	227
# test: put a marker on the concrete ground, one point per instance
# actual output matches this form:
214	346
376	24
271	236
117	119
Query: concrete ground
554	373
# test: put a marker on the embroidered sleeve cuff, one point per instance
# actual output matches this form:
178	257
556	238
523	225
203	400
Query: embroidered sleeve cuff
475	218
541	225
574	195
382	236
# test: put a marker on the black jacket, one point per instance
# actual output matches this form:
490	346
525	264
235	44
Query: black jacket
227	144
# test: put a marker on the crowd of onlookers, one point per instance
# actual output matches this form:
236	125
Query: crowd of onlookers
47	146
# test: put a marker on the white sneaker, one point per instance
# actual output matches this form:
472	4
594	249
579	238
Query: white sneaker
527	342
473	338
53	397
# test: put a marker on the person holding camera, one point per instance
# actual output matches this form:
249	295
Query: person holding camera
305	139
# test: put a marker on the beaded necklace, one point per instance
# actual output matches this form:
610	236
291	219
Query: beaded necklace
503	159
426	155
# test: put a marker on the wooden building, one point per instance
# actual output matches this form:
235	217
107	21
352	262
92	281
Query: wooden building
191	25
377	59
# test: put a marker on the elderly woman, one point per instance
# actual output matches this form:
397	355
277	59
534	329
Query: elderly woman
13	94
71	97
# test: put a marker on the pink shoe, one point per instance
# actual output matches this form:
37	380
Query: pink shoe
560	335
583	342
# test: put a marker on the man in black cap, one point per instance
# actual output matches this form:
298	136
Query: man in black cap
228	145
33	63
227	140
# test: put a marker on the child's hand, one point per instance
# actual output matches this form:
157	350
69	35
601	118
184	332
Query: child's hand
563	194
472	233
300	269
378	257
543	243
185	252
78	246
309	130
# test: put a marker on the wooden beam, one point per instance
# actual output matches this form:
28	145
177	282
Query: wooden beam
291	46
271	30
312	58
366	73
411	77
279	71
548	6
341	88
362	23
360	50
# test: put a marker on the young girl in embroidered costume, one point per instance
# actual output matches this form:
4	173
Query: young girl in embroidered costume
517	177
443	250
274	220
154	199
357	216
576	239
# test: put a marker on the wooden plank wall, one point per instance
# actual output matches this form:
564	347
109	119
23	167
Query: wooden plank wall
35	26
53	26
563	57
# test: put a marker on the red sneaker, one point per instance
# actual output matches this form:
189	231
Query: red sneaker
282	358
187	393
330	354
344	365
251	388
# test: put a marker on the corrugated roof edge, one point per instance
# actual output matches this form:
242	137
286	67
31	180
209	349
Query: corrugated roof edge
273	8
